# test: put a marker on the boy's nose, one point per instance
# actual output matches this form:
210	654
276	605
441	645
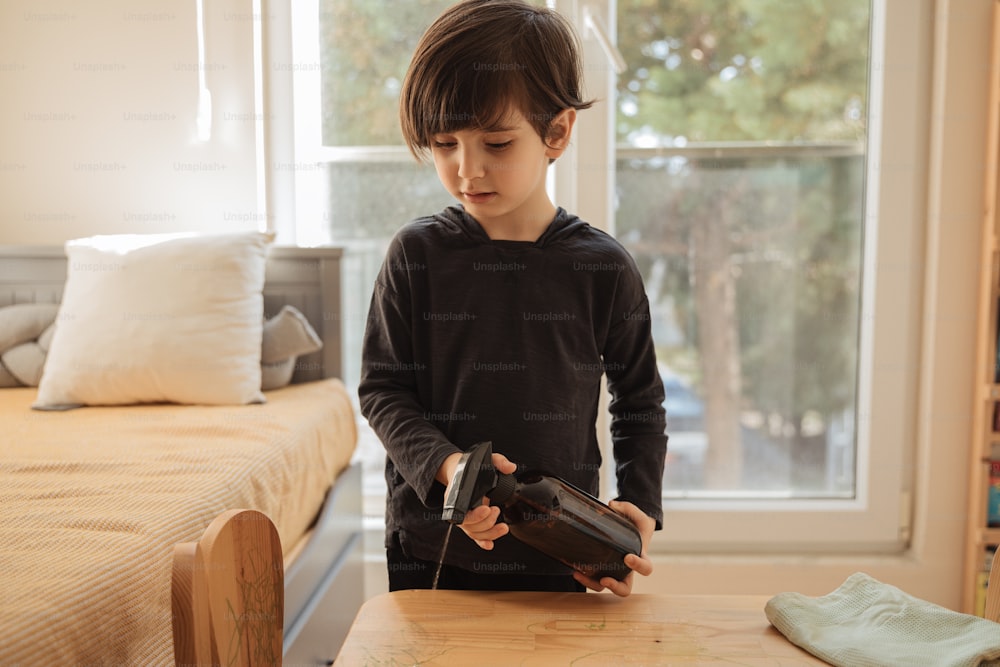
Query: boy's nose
470	164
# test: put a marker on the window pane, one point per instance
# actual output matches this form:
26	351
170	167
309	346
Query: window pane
741	130
365	46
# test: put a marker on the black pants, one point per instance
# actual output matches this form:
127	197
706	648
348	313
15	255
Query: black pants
409	573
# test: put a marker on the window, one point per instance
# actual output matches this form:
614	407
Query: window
740	134
744	144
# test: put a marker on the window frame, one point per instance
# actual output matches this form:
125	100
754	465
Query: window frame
877	519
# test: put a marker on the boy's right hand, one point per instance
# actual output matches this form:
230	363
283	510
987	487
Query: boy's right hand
480	523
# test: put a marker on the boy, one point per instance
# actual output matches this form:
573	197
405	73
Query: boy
495	320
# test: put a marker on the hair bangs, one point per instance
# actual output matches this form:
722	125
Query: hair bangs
480	100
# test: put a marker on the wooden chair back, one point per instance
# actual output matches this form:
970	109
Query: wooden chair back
992	611
228	594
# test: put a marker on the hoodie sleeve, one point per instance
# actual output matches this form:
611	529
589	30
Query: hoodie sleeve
388	387
638	419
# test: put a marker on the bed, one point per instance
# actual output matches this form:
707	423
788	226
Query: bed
94	500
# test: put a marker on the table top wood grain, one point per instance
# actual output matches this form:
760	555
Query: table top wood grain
481	629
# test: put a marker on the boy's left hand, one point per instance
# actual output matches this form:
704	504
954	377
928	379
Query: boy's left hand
481	522
640	563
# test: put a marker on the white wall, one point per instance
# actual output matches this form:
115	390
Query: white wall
97	124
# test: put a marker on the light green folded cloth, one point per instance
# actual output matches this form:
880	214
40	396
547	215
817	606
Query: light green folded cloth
866	623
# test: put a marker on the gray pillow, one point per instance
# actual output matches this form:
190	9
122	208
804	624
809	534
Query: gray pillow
287	336
25	332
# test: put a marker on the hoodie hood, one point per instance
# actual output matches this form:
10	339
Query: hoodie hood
457	220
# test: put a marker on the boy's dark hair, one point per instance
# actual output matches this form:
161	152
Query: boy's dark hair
479	59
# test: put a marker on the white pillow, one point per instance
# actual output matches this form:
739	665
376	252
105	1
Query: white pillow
158	318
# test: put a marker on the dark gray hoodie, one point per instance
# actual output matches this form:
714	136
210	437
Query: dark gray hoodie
470	339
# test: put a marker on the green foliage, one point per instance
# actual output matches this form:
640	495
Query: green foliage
742	70
366	47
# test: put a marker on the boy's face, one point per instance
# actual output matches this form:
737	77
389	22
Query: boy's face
499	174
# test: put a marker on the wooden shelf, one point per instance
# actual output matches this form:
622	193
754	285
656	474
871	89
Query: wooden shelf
989	537
985	440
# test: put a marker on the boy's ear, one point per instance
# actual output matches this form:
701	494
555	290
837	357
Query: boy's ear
560	132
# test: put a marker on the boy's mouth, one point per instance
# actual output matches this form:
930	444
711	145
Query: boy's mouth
478	197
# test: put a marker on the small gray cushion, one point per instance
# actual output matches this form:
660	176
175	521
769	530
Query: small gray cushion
287	336
22	357
25	362
25	321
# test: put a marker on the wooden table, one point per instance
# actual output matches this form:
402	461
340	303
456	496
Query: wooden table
481	629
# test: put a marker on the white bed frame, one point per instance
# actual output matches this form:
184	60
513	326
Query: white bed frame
324	583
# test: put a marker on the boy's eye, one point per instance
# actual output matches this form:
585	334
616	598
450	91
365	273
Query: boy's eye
500	146
444	144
